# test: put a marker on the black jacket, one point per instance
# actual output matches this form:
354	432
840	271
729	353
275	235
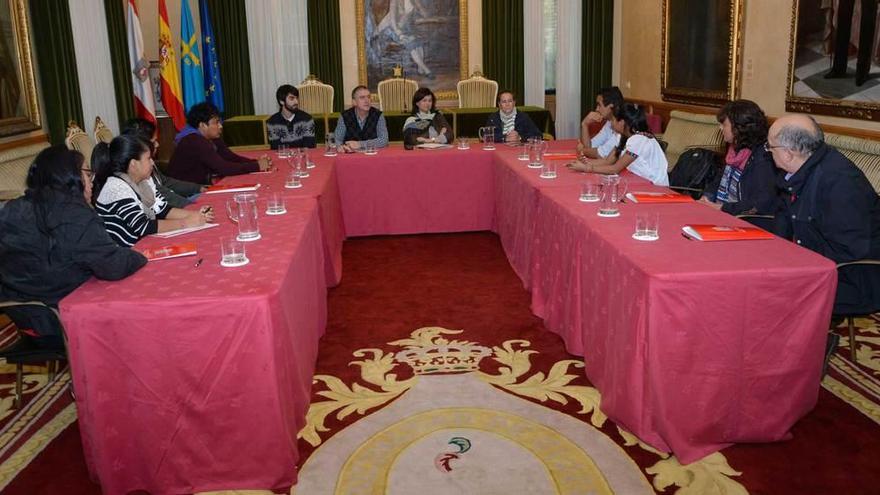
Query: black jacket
758	193
522	124
828	206
45	255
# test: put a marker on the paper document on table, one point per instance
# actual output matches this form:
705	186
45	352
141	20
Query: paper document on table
231	188
186	230
433	146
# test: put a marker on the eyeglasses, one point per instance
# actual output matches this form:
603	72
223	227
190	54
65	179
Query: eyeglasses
767	146
89	172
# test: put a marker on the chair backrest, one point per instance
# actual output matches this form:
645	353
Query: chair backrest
14	166
102	133
315	97
78	140
477	92
690	130
865	153
395	94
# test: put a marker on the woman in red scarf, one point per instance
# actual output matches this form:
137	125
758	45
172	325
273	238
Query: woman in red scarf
748	183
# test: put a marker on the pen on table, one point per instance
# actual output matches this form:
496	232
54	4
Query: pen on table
199	262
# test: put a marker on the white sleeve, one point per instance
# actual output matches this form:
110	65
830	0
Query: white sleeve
635	145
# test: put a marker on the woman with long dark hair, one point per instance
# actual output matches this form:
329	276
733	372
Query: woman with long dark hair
426	124
638	150
125	195
52	241
748	183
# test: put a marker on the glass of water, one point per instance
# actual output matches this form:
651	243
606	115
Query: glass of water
232	252
275	204
463	143
293	181
647	226
589	192
330	144
370	149
548	170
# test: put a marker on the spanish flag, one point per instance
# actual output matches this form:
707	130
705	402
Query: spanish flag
171	93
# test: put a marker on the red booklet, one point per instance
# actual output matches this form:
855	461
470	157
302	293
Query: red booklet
658	197
705	232
172	251
560	156
227	188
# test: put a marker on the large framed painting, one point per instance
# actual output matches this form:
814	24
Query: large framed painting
701	50
422	40
19	106
834	58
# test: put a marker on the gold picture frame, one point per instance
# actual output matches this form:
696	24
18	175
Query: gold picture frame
443	90
19	86
699	61
807	89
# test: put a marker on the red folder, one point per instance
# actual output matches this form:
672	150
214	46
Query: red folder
560	156
705	232
659	197
172	251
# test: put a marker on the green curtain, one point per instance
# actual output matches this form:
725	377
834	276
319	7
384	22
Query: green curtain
56	62
325	48
596	49
503	50
116	32
230	29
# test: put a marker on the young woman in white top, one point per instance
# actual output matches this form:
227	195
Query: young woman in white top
601	145
125	195
638	151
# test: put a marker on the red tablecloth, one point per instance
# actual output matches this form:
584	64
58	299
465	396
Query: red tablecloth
198	378
401	191
320	184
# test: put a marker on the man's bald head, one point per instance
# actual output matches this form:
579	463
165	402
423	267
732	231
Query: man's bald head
798	133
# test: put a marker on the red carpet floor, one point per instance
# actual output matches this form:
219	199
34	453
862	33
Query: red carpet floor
393	285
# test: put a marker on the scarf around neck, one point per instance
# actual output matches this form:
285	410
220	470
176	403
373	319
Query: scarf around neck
507	121
737	159
144	193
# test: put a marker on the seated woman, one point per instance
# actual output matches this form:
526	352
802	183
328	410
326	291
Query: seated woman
510	125
606	140
125	195
426	124
178	193
748	183
638	151
201	154
53	241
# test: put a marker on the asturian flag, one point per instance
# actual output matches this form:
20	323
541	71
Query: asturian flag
144	102
171	93
213	88
192	80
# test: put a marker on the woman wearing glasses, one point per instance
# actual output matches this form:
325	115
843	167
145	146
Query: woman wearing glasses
52	242
748	183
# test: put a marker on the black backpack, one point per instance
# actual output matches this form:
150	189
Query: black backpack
695	171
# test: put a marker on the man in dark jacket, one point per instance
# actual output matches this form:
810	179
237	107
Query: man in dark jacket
511	126
828	206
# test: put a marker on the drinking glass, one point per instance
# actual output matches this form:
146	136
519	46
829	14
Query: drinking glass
589	192
299	165
307	157
463	143
232	252
548	171
330	144
275	205
523	152
647	226
487	136
293	181
370	149
537	147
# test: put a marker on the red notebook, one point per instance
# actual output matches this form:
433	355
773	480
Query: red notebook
172	251
560	156
705	232
658	197
219	188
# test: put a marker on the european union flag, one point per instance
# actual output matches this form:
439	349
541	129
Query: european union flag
213	88
191	77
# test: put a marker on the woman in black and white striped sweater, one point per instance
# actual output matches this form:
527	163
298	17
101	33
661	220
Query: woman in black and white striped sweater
125	195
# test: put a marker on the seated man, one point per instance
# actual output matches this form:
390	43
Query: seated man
201	154
290	126
605	142
361	124
828	205
510	125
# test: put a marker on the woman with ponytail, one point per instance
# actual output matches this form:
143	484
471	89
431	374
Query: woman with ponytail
638	150
51	241
125	195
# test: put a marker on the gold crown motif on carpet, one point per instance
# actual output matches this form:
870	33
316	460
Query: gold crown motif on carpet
443	356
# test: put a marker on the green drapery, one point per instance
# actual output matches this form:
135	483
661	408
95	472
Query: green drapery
56	61
230	28
116	32
503	50
325	49
596	49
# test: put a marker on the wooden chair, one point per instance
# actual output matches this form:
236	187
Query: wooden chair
78	140
395	94
102	133
477	92
316	98
23	353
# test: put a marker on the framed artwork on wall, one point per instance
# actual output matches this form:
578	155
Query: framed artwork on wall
422	40
701	50
834	59
19	103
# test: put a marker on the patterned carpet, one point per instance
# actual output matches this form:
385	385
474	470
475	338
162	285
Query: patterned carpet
505	410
